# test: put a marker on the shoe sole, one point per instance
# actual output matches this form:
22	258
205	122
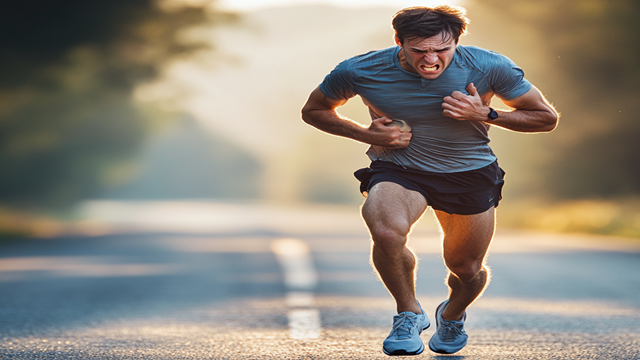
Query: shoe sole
446	352
404	352
442	351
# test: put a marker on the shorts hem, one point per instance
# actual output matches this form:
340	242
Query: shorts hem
466	193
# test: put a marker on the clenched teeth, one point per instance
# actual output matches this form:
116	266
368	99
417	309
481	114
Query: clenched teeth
429	68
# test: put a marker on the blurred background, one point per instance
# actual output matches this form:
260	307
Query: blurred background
108	103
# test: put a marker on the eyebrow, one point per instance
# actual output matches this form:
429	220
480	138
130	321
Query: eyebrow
436	50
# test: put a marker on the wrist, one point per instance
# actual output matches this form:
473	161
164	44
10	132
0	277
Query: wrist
492	114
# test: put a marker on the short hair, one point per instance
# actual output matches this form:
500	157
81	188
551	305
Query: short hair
423	22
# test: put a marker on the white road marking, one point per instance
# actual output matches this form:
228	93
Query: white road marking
300	299
295	258
300	277
304	323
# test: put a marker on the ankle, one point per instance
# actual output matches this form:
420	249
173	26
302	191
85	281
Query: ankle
412	308
452	316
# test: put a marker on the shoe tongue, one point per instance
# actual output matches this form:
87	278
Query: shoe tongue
458	324
403	323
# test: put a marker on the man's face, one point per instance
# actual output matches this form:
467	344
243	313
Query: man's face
427	57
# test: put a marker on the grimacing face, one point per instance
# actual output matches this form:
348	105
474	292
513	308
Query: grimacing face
427	57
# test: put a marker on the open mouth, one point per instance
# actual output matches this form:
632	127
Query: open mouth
429	68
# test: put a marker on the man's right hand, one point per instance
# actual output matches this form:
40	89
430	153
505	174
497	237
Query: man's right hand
383	132
320	112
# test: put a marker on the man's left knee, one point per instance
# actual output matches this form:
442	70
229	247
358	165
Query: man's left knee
467	271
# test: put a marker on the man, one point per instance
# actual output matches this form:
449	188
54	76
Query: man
441	91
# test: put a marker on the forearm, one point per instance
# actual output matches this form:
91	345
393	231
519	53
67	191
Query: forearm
332	122
320	112
530	121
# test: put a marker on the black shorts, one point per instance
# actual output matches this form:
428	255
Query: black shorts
463	193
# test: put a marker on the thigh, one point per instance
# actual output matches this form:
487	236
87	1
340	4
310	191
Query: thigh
466	237
390	206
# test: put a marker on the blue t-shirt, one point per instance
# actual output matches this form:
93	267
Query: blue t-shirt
439	143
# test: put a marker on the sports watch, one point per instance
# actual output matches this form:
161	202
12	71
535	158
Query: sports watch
492	114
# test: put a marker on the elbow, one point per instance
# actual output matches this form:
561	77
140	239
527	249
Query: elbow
304	114
307	115
312	115
552	121
548	120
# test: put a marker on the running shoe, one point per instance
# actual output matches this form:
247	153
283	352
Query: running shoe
449	336
404	338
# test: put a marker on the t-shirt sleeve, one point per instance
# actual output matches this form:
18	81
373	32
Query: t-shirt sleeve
507	79
339	84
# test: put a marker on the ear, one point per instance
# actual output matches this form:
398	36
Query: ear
397	40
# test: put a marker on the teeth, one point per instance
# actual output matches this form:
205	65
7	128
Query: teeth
429	68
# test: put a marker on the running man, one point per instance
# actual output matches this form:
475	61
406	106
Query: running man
442	91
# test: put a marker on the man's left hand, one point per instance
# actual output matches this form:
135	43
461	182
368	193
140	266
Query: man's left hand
460	106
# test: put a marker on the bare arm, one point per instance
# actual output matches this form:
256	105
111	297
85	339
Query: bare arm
320	112
530	112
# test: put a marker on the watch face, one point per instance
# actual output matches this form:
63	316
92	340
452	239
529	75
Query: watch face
492	114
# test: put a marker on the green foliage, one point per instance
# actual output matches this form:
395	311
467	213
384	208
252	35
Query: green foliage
67	70
596	148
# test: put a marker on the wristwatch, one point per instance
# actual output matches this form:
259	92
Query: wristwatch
492	114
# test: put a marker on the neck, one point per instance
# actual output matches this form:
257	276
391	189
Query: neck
403	62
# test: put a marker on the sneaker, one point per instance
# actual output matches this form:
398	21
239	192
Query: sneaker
404	338
449	336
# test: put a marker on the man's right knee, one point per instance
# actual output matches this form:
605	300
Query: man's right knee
389	212
388	240
388	234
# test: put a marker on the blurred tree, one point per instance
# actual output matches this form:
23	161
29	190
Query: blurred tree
185	161
596	147
67	70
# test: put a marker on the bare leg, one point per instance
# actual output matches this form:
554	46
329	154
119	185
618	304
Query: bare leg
466	241
389	211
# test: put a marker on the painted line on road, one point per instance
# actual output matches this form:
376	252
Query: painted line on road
304	324
300	278
295	258
300	299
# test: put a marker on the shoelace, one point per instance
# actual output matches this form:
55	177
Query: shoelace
449	332
403	326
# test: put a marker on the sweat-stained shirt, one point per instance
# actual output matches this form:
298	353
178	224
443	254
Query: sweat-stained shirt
438	144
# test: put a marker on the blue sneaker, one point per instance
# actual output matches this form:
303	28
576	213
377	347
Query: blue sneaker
449	336
404	338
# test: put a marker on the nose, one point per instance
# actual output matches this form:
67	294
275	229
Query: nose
431	58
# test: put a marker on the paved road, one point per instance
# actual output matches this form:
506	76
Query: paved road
221	288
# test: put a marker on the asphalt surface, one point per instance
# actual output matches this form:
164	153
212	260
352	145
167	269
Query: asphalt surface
223	294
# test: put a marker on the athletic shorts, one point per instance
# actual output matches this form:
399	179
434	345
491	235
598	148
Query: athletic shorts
463	193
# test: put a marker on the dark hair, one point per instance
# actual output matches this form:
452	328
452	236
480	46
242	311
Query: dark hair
424	22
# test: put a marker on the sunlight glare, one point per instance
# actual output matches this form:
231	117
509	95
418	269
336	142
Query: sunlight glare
248	5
